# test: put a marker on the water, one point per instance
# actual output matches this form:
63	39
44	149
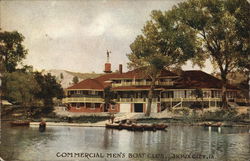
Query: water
177	143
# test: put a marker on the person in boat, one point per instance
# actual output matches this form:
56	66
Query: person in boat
42	126
112	118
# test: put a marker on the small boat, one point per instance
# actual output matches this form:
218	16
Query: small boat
20	123
126	126
149	127
218	124
114	126
136	127
207	124
160	126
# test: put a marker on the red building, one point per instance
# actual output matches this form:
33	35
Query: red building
131	91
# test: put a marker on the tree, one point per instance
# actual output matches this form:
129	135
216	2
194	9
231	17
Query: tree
223	28
20	88
108	96
75	80
162	44
198	93
12	51
49	88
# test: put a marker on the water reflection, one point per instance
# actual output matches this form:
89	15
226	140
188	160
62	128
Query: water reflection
29	144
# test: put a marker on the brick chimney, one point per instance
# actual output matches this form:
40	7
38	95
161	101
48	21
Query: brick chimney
107	68
120	68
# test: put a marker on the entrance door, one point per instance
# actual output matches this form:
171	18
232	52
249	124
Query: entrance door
125	107
138	107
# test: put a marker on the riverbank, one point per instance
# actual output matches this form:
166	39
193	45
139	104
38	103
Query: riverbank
49	124
177	116
102	124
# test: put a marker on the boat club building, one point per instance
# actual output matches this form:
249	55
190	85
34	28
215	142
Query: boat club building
131	90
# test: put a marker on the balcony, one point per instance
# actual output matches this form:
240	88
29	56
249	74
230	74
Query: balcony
82	99
188	99
146	83
134	100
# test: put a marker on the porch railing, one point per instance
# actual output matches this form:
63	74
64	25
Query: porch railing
83	99
146	83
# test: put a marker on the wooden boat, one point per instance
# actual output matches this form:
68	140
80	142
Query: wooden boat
126	126
149	127
218	124
114	126
138	127
207	124
160	126
20	123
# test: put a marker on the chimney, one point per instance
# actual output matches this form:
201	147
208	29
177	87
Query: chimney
120	68
107	68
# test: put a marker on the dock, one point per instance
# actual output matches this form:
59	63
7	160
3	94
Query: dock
50	124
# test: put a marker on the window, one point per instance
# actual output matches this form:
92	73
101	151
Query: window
112	107
97	105
168	94
206	94
179	94
88	105
216	94
92	92
231	94
189	94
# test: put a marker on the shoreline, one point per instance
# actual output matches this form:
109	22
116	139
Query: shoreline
103	124
50	124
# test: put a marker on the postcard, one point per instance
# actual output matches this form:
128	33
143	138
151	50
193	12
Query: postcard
120	80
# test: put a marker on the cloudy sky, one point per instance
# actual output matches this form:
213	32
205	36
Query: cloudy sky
75	34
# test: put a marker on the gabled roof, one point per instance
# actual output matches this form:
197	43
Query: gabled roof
88	84
102	81
187	80
199	79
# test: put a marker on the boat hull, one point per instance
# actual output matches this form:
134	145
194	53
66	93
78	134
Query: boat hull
20	123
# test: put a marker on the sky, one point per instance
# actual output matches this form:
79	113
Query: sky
74	35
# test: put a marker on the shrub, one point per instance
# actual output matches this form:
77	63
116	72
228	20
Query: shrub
183	111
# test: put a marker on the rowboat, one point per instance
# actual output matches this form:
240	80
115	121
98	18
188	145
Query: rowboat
160	126
138	127
113	126
20	123
207	124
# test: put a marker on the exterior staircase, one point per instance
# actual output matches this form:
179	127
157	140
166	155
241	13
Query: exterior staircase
125	116
232	104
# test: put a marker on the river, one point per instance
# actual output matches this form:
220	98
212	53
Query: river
178	143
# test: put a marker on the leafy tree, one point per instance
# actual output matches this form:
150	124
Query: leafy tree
162	44
12	51
223	28
198	93
108	96
49	88
75	80
20	88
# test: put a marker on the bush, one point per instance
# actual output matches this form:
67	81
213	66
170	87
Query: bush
220	115
183	111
